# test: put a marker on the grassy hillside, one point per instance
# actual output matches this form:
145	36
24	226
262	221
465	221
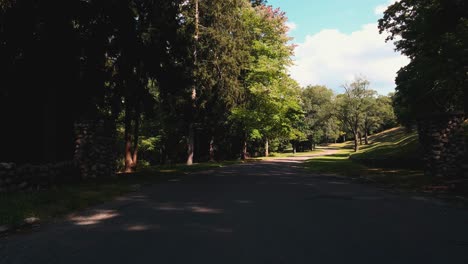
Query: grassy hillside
392	157
394	148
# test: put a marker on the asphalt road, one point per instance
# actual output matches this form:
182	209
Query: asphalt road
271	212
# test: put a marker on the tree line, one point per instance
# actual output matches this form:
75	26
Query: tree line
180	80
354	114
175	76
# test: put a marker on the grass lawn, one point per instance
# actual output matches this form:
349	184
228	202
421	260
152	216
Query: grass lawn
288	154
390	159
341	164
393	144
60	200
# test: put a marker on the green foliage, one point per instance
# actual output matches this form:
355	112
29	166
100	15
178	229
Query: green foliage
434	35
159	72
357	111
378	114
271	106
321	122
354	105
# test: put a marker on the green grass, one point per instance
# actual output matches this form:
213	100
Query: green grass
60	200
288	154
391	144
391	158
14	207
335	164
298	154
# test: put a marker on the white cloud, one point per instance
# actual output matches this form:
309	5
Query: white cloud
379	10
291	25
333	58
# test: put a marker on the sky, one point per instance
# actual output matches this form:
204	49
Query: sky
338	40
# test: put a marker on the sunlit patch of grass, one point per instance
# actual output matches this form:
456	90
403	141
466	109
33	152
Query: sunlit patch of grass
395	148
341	164
338	163
298	154
288	155
398	145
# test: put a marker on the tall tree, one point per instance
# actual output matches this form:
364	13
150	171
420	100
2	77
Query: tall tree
270	93
434	35
321	123
378	113
352	106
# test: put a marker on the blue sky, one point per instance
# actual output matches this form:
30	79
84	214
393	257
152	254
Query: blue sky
311	16
337	40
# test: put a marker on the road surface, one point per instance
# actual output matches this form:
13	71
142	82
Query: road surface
268	212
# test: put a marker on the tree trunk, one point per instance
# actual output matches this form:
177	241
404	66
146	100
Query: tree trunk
244	150
191	132
168	151
136	135
212	154
356	143
163	157
267	153
190	145
294	147
128	139
465	91
360	138
366	138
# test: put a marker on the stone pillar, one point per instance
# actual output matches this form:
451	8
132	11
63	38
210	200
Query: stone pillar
442	139
95	149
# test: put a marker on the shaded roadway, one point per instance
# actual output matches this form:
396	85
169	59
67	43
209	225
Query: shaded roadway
266	212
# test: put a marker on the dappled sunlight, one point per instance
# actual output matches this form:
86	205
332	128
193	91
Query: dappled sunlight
168	171
299	158
142	227
228	172
192	208
273	161
96	217
168	207
132	198
323	161
204	210
175	180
